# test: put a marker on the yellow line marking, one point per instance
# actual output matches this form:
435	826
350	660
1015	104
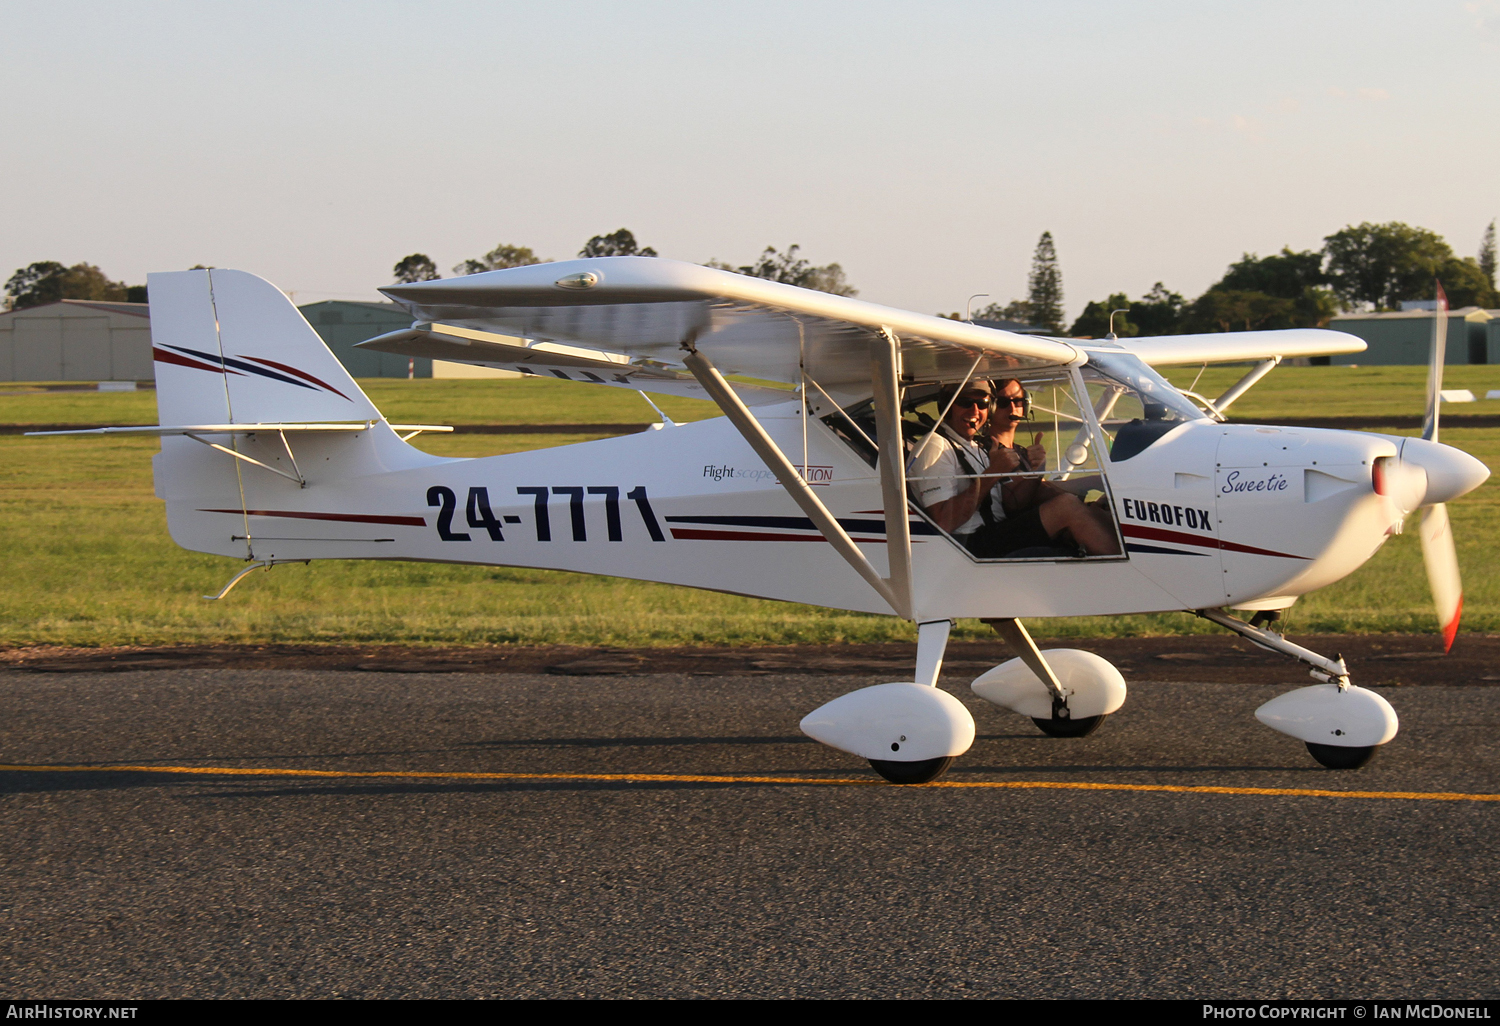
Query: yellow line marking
685	778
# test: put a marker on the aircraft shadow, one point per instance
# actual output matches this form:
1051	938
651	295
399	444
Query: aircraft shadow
1073	767
635	742
211	788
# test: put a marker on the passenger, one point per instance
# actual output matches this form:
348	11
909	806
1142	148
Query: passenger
959	481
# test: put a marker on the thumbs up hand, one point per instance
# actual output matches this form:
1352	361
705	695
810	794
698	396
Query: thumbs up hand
1036	452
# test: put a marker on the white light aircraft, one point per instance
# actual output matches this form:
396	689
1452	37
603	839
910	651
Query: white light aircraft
272	454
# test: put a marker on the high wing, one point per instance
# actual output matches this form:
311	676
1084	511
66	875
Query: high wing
652	309
670	316
1238	346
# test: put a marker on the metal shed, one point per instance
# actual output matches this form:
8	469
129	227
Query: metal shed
342	324
76	340
1404	337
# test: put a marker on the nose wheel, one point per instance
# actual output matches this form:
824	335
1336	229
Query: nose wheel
1335	757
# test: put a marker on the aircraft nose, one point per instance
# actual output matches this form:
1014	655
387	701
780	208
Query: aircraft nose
1450	472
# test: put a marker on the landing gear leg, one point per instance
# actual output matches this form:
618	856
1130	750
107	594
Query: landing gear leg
1062	723
1320	667
932	642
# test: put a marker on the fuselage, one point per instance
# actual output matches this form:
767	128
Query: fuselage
1210	515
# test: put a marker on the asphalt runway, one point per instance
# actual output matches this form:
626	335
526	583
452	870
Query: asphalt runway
144	884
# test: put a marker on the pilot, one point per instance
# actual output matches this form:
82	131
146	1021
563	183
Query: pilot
957	480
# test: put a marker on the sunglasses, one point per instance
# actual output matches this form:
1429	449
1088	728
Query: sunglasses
980	402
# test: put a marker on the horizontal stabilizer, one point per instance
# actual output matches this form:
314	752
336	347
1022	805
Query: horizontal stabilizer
159	430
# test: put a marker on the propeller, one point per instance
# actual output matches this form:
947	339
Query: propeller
1425	475
1436	530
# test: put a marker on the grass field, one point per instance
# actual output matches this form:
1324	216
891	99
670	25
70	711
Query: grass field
87	560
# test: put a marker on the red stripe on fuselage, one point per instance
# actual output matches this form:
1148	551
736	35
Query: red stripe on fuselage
1183	538
348	518
695	534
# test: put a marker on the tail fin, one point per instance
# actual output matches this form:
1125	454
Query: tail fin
230	348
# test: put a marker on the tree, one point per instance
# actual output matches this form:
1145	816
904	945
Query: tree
1379	265
417	267
1094	321
1465	283
499	258
1237	310
26	287
791	269
1017	310
1487	255
621	243
1291	275
1158	312
1044	287
48	281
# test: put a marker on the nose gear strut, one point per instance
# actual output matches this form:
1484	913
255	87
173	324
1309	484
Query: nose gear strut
1330	671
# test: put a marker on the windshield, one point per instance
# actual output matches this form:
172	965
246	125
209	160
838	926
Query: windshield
1134	405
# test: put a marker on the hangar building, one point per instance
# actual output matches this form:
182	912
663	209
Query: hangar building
83	340
1404	336
342	324
76	340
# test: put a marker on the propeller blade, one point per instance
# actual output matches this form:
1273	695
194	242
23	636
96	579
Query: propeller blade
1442	570
1435	359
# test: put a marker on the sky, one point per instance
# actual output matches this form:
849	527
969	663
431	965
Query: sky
923	146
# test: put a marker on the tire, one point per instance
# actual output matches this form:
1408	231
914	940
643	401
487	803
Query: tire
1082	727
1337	757
912	772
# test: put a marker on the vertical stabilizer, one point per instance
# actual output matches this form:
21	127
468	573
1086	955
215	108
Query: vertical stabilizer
231	348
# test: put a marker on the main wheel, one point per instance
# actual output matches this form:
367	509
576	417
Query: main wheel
1336	757
1081	727
912	772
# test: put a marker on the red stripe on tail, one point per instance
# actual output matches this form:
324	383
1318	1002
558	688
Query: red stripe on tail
165	356
301	374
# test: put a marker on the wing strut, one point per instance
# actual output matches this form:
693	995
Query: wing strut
885	372
766	448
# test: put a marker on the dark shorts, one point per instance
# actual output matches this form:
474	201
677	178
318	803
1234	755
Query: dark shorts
1024	530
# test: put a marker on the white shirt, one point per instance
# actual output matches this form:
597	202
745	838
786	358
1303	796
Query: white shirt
942	475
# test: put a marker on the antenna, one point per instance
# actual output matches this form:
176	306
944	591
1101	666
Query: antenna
969	306
1112	336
